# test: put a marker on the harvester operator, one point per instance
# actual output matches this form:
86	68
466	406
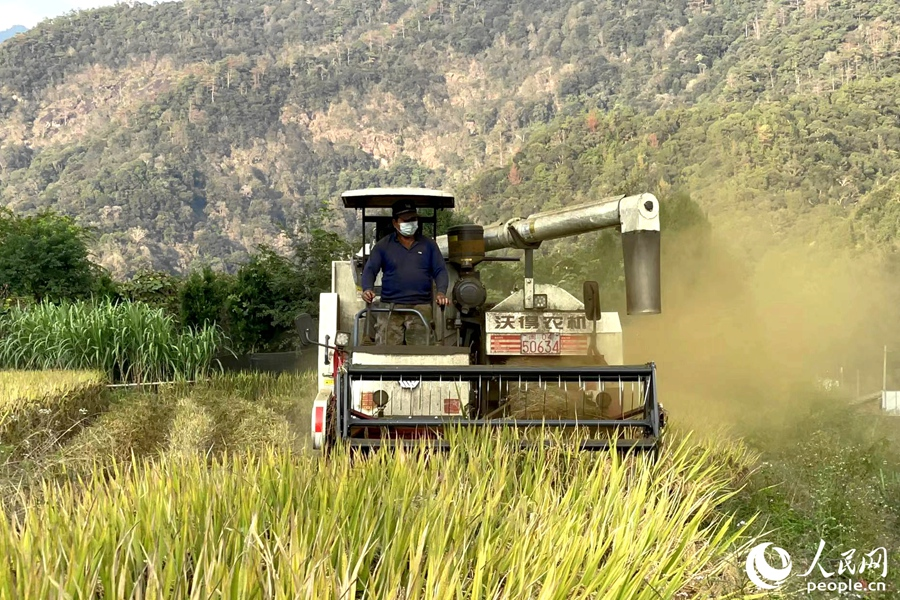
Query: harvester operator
409	262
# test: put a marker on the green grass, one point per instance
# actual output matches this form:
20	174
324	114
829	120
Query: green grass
831	474
130	342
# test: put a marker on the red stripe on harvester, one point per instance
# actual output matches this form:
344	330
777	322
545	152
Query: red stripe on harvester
506	343
320	419
573	343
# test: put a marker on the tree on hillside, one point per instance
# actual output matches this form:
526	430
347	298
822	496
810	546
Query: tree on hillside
233	117
46	257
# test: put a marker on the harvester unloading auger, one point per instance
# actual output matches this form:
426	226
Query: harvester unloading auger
540	358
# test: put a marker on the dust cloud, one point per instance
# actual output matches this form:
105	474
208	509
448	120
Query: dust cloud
743	344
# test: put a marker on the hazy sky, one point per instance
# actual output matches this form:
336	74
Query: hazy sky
30	12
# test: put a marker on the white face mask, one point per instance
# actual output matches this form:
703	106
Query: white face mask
409	228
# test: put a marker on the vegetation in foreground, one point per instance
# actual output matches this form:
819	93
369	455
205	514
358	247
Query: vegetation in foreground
205	487
833	475
202	488
549	524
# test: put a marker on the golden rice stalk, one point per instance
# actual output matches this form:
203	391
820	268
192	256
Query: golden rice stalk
483	520
191	428
31	399
18	388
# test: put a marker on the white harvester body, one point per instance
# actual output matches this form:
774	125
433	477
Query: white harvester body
366	387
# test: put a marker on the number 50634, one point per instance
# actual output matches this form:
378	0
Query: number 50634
540	343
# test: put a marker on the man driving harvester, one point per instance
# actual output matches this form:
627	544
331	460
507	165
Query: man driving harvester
409	262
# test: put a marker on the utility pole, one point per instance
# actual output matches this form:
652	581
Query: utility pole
884	373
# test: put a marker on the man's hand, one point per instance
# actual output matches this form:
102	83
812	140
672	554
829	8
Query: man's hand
368	295
442	300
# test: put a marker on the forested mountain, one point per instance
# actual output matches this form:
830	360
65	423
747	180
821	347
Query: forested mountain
8	33
191	130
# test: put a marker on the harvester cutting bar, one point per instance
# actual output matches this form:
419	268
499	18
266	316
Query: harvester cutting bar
506	381
648	444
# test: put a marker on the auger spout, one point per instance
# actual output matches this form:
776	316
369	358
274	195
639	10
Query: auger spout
637	217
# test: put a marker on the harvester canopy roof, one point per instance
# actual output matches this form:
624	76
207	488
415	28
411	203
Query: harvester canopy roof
385	198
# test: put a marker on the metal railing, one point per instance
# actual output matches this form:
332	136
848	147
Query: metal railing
377	309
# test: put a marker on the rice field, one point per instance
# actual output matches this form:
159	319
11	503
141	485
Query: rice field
35	404
206	491
272	525
19	389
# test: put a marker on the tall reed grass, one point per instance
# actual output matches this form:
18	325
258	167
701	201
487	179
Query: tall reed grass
130	342
482	521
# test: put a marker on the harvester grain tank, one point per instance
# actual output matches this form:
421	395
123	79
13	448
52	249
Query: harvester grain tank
541	357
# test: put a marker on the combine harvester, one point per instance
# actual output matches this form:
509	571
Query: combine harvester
540	358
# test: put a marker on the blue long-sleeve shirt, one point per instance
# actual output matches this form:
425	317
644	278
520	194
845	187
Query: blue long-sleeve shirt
407	273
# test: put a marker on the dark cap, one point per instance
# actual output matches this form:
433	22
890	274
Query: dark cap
402	207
